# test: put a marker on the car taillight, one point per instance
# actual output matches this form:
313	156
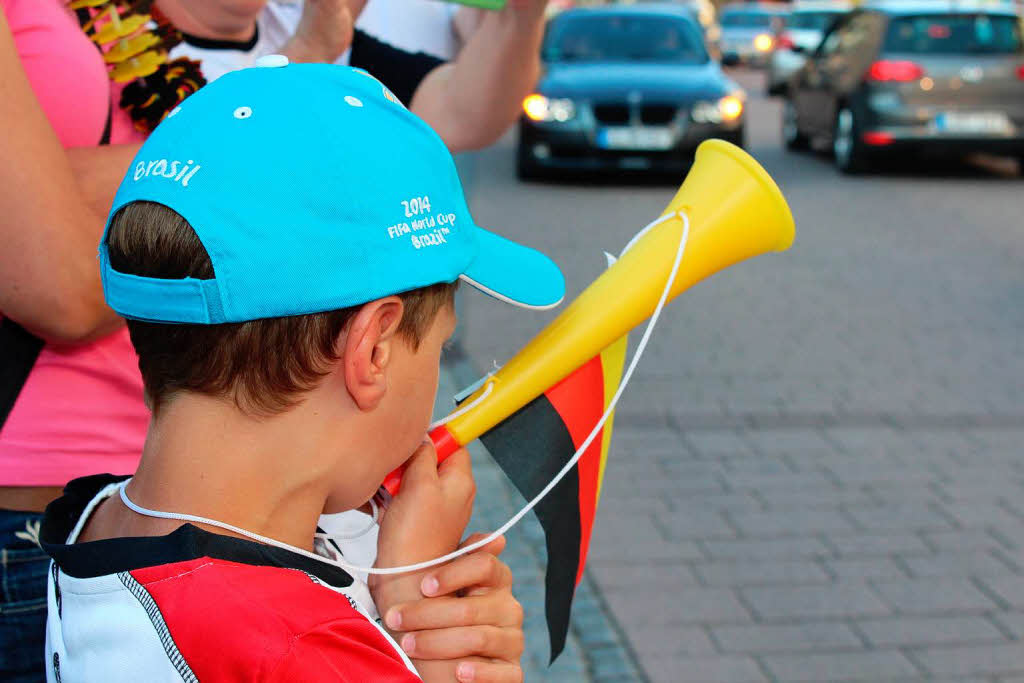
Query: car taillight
785	42
895	71
1020	72
875	138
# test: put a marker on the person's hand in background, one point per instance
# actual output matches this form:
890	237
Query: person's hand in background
324	32
473	100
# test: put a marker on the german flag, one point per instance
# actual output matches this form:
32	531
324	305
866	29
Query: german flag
535	443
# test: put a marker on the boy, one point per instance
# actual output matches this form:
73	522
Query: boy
285	248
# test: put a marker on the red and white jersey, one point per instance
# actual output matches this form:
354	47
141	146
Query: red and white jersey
198	606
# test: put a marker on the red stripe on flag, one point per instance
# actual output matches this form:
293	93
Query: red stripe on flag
579	400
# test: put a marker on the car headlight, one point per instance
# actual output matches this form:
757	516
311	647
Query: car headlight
731	107
763	42
540	108
727	109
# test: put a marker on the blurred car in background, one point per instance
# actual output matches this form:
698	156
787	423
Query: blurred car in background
804	29
748	31
625	87
707	16
929	76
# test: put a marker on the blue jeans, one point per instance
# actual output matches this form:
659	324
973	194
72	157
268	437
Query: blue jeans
23	571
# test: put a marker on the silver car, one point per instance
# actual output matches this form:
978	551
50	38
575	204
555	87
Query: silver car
908	77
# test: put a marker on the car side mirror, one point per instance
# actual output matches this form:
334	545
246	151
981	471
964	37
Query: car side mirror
730	59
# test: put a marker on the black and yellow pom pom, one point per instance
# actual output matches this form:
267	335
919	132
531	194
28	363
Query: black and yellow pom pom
148	100
135	39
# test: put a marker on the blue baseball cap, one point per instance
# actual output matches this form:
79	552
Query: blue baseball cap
312	189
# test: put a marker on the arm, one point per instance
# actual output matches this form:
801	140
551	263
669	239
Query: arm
343	651
425	520
472	101
49	276
466	21
99	172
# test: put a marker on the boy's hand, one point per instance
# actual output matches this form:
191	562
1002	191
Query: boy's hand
468	625
428	516
425	520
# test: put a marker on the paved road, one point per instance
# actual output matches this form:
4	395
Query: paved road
818	471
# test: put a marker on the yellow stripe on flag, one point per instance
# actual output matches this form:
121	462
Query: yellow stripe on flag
613	360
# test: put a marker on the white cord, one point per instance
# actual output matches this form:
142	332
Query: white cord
519	515
463	409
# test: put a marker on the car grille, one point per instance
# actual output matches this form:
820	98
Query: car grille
611	113
655	114
648	114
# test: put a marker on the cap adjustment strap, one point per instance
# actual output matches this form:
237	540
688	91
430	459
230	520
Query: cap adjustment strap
188	300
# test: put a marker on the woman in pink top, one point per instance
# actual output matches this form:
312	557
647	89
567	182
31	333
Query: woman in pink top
71	400
70	390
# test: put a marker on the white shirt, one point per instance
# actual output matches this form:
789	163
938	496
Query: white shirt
274	29
414	25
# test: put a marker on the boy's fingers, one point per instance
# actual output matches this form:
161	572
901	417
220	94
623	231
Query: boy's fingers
440	613
421	468
474	570
488	672
456	476
457	464
465	641
495	547
459	460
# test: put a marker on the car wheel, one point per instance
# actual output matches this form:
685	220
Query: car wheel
847	149
525	169
792	137
737	137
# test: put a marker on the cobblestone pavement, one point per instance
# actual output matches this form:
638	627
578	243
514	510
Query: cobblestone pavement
818	472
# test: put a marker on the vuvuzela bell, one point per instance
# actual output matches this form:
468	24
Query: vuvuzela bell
736	211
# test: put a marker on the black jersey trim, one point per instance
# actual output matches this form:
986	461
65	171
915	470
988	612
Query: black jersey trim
218	44
187	542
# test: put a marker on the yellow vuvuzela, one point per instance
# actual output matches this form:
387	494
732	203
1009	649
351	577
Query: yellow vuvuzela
735	210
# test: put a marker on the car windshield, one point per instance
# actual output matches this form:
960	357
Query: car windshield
742	19
812	21
625	39
954	34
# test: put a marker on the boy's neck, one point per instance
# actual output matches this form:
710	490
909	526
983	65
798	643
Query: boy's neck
204	457
212	19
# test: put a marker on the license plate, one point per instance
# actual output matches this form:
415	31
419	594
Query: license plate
635	163
984	123
647	138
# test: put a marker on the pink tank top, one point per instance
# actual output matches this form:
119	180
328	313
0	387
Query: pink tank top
81	409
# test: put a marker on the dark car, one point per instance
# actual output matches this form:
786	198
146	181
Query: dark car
912	77
625	88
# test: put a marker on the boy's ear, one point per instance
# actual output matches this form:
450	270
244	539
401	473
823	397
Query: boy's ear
368	348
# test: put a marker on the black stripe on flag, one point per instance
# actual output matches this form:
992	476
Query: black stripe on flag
531	446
